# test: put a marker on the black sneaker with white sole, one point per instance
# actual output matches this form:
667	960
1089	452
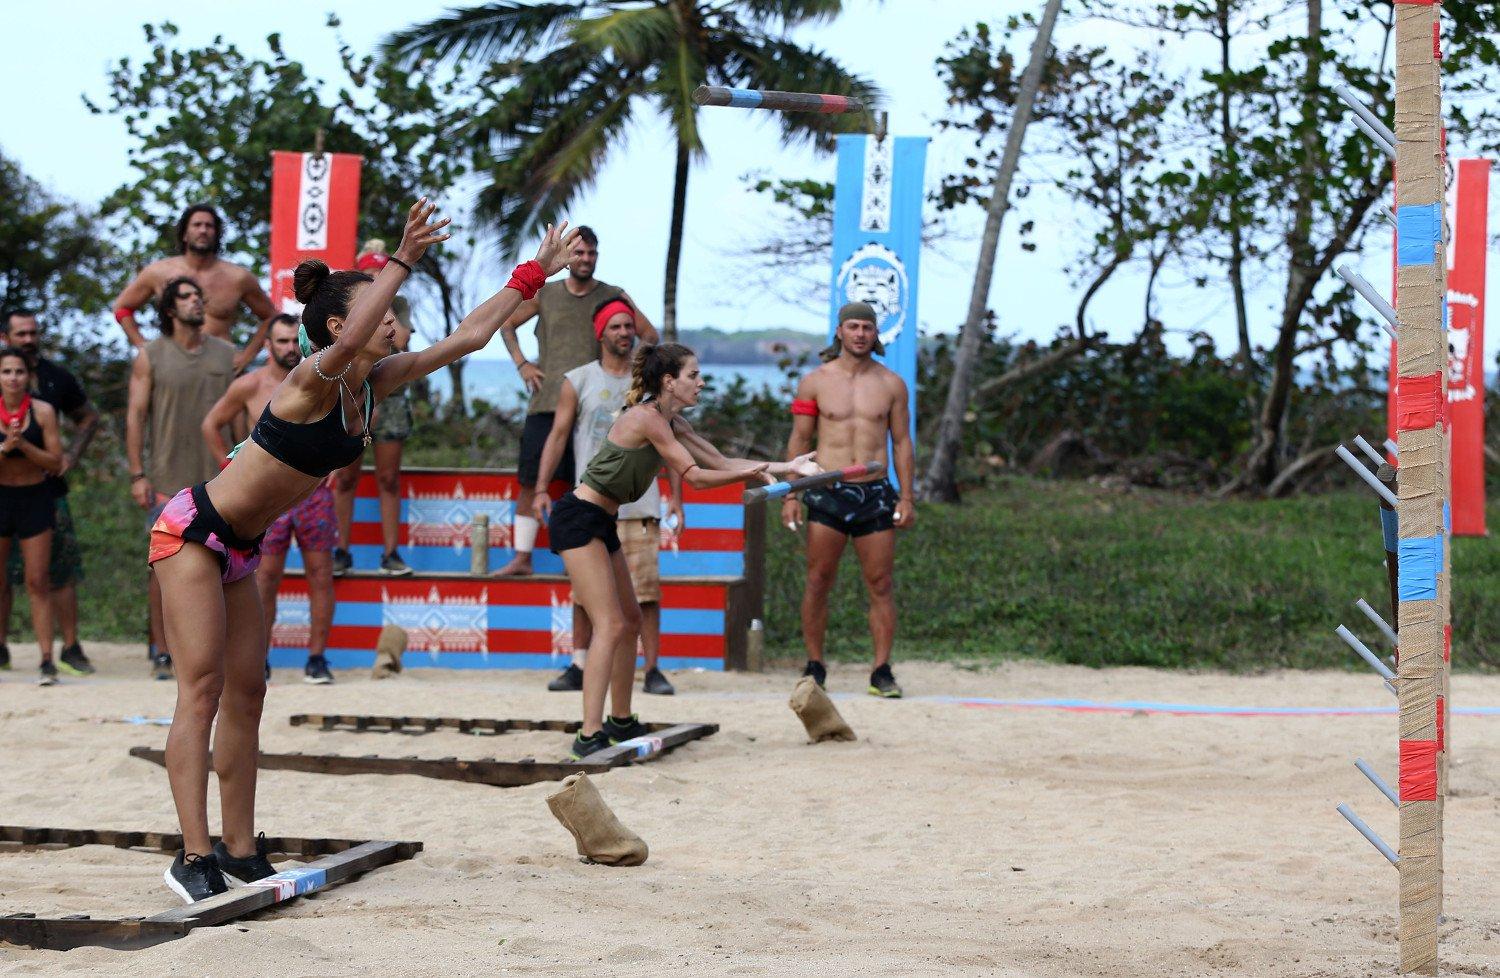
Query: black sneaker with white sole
316	671
47	673
343	563
161	667
393	565
195	878
570	680
817	670
238	872
622	729
584	746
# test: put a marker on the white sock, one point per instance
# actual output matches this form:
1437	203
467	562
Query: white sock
524	534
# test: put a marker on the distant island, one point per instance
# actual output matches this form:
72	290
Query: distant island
750	346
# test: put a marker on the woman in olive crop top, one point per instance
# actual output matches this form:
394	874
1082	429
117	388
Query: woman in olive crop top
205	546
650	433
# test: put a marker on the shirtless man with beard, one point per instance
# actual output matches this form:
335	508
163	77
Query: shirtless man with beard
226	286
851	405
312	521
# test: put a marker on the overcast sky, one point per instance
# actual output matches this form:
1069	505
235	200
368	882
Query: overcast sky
69	46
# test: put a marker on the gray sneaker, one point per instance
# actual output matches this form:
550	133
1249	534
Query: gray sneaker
343	563
47	674
657	684
393	565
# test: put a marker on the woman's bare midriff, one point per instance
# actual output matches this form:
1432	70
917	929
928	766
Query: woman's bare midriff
599	499
256	490
17	472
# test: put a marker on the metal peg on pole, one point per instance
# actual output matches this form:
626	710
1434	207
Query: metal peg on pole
1377	781
1354	643
1369	450
1390	445
1365	474
1382	132
1368	293
1377	621
1369	834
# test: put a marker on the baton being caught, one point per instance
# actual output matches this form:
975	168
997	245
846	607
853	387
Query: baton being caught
750	98
777	490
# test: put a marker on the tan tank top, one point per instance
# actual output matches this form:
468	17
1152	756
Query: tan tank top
564	336
184	387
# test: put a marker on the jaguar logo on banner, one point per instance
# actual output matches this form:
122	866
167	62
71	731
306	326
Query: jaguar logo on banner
436	624
443	520
875	274
314	214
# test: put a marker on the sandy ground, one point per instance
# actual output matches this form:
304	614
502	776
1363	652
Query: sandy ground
949	840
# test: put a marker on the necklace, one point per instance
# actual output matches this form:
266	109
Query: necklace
365	415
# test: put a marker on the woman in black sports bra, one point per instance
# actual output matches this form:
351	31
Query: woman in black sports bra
31	451
205	546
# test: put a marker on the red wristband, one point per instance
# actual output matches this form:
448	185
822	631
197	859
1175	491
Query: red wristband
808	408
122	312
528	277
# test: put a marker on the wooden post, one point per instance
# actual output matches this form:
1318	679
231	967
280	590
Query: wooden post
1421	401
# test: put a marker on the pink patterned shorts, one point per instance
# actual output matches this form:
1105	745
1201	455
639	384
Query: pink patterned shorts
313	522
190	516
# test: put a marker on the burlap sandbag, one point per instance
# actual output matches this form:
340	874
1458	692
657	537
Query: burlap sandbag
598	834
817	712
388	652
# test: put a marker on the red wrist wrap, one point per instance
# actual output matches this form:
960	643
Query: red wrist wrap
809	408
121	312
527	278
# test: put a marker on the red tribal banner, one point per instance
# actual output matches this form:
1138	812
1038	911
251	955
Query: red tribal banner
314	214
1468	210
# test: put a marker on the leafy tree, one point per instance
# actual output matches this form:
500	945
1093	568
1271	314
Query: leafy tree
572	76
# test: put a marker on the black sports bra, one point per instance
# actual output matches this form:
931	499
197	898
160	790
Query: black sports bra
317	447
32	433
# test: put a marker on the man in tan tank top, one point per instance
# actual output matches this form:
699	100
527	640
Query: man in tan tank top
564	311
174	383
226	286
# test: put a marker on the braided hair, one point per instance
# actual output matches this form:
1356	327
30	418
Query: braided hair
654	363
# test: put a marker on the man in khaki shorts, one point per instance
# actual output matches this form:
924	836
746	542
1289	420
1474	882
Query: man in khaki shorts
590	398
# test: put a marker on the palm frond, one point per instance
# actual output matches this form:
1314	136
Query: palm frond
498	30
635	36
788	13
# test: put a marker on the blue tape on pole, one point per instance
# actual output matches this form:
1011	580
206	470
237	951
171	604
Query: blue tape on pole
1448	518
1389	526
777	489
1418	564
744	98
1418	229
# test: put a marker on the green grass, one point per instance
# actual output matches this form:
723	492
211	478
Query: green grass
1064	571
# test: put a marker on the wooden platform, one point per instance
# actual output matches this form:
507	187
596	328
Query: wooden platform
338	860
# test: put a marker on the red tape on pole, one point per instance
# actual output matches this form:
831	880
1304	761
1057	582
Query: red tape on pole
1419	402
1419	770
1442	712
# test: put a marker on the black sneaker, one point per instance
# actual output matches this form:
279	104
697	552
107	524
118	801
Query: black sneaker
342	562
238	872
393	565
816	670
621	730
195	878
584	746
316	671
570	680
161	667
74	662
4	658
656	684
883	683
47	674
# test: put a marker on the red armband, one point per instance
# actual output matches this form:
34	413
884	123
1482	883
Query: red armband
528	277
121	312
809	408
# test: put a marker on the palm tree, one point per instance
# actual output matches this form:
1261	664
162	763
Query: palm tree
570	75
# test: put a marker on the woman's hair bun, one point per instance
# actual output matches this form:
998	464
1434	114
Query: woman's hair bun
308	277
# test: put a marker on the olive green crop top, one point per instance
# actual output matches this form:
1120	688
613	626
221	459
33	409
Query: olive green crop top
622	474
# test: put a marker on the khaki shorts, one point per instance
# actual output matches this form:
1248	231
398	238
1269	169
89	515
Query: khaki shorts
641	541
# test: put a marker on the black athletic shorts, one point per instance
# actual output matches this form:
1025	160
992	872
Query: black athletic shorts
853	508
26	511
576	523
533	439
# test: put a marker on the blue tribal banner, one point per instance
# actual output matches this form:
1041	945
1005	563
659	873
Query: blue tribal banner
877	242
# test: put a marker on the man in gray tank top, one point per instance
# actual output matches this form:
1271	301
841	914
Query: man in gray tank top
590	398
174	383
565	339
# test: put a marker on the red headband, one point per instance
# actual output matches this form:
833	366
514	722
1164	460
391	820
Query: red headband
608	310
375	259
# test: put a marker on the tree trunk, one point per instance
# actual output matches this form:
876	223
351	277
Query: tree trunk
456	380
1236	234
674	244
1302	273
941	481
